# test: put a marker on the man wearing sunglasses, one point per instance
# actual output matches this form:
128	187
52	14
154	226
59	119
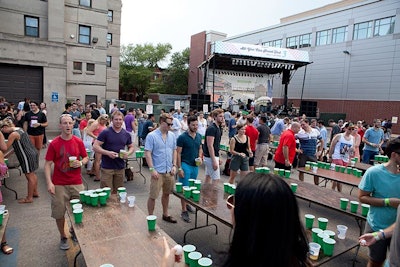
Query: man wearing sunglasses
160	152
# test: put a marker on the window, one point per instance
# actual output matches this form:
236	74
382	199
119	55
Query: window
90	67
109	38
77	66
292	42
323	37
384	26
84	34
110	15
362	30
108	62
339	35
275	43
87	3
305	40
31	26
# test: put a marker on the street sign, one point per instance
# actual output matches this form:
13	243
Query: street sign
54	97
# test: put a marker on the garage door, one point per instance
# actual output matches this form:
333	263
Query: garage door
19	81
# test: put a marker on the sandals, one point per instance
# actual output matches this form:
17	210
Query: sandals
6	249
169	219
24	201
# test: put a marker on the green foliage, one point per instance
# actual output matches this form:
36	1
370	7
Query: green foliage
139	63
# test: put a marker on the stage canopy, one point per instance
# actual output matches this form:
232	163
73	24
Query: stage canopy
251	61
255	58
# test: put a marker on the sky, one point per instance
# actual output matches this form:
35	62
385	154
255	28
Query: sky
174	21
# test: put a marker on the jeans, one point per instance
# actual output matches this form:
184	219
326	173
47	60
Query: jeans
368	155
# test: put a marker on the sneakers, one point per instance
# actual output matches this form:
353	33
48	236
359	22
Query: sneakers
189	208
64	243
185	216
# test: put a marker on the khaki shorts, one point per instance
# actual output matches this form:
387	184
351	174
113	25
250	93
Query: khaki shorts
261	155
165	181
64	193
112	178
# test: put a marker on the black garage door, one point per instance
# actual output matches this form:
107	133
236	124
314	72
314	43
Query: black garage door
18	82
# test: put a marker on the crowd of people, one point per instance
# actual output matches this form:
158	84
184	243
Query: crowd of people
177	143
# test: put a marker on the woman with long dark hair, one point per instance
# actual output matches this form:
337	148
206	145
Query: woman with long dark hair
267	228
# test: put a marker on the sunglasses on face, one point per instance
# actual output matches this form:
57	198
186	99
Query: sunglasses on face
230	202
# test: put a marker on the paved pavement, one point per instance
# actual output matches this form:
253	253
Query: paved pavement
34	236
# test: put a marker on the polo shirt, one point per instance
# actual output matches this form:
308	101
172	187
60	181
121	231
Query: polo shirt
190	147
287	139
162	151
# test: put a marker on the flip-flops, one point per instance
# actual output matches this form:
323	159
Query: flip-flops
6	249
24	201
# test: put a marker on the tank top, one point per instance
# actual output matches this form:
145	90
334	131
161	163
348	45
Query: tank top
241	147
343	148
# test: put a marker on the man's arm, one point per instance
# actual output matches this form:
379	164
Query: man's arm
98	149
285	151
365	197
47	173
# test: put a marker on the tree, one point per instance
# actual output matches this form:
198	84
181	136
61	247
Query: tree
177	74
146	55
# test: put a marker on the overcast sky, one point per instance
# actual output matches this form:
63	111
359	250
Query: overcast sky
174	21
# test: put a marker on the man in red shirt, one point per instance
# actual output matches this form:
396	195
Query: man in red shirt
253	134
286	150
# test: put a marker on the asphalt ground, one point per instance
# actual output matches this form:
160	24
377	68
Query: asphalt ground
34	236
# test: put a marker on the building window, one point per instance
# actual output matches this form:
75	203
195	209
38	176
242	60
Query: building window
362	30
109	38
87	3
305	40
323	37
275	43
90	67
339	35
84	34
108	62
110	15
384	26
31	26
77	67
292	42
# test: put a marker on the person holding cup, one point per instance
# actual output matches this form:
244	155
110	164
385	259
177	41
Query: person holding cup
26	153
379	187
188	149
66	181
109	144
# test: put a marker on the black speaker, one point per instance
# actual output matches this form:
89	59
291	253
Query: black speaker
197	101
286	76
309	108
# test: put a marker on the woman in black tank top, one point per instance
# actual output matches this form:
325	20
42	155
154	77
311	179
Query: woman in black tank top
239	147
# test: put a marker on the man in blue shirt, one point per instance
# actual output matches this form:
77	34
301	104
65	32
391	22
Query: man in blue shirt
160	152
373	140
188	149
380	188
279	127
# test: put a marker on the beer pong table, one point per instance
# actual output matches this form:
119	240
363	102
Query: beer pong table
118	234
213	203
335	176
362	166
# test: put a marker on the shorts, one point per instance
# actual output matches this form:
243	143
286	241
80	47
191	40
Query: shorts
239	163
251	159
304	158
340	162
214	174
37	141
190	172
166	181
64	193
261	155
377	252
282	166
112	178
